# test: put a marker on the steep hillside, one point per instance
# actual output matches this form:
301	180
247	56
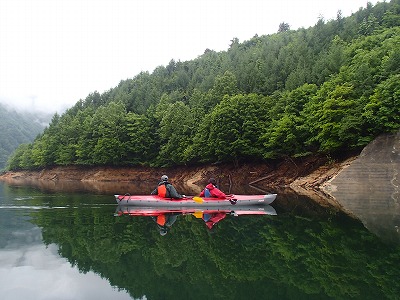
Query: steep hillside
17	128
329	89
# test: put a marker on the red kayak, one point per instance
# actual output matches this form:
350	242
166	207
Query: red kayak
194	201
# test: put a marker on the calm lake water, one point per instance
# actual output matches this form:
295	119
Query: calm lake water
65	241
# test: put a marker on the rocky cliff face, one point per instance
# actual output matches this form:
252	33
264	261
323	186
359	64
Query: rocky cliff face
369	187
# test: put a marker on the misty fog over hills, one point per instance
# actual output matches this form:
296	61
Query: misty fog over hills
19	126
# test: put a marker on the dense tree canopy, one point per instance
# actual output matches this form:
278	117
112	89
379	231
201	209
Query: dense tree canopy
330	88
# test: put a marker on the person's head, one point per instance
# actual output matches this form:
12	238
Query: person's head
163	230
164	178
212	181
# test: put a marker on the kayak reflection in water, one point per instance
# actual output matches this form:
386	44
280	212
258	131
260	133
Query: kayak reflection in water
211	190
165	221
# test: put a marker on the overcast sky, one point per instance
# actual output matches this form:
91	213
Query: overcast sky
55	52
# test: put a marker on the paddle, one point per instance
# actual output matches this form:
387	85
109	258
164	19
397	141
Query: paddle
198	214
198	199
201	200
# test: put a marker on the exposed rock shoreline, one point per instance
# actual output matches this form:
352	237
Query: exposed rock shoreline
305	176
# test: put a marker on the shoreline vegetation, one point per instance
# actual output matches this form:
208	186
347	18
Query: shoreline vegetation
304	176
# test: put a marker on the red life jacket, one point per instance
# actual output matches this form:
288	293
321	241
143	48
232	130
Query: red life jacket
215	218
162	190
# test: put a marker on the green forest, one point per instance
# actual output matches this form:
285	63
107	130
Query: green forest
17	128
327	89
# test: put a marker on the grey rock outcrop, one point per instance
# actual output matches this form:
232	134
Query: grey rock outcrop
369	187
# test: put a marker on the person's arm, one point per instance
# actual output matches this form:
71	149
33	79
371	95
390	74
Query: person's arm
171	220
218	193
155	192
173	193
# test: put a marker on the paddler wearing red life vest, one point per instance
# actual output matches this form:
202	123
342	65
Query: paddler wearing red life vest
211	190
213	219
166	189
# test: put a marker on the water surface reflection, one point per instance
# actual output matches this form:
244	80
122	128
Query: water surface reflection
306	251
111	188
30	269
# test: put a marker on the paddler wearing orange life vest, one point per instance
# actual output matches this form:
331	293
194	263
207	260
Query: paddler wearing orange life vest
166	189
165	221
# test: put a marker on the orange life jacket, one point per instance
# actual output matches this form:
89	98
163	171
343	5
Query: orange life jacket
162	190
161	220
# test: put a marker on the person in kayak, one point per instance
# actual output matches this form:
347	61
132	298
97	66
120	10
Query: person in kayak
211	190
166	189
213	218
165	221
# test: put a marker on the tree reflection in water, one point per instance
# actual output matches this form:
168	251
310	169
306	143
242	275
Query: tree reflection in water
305	252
